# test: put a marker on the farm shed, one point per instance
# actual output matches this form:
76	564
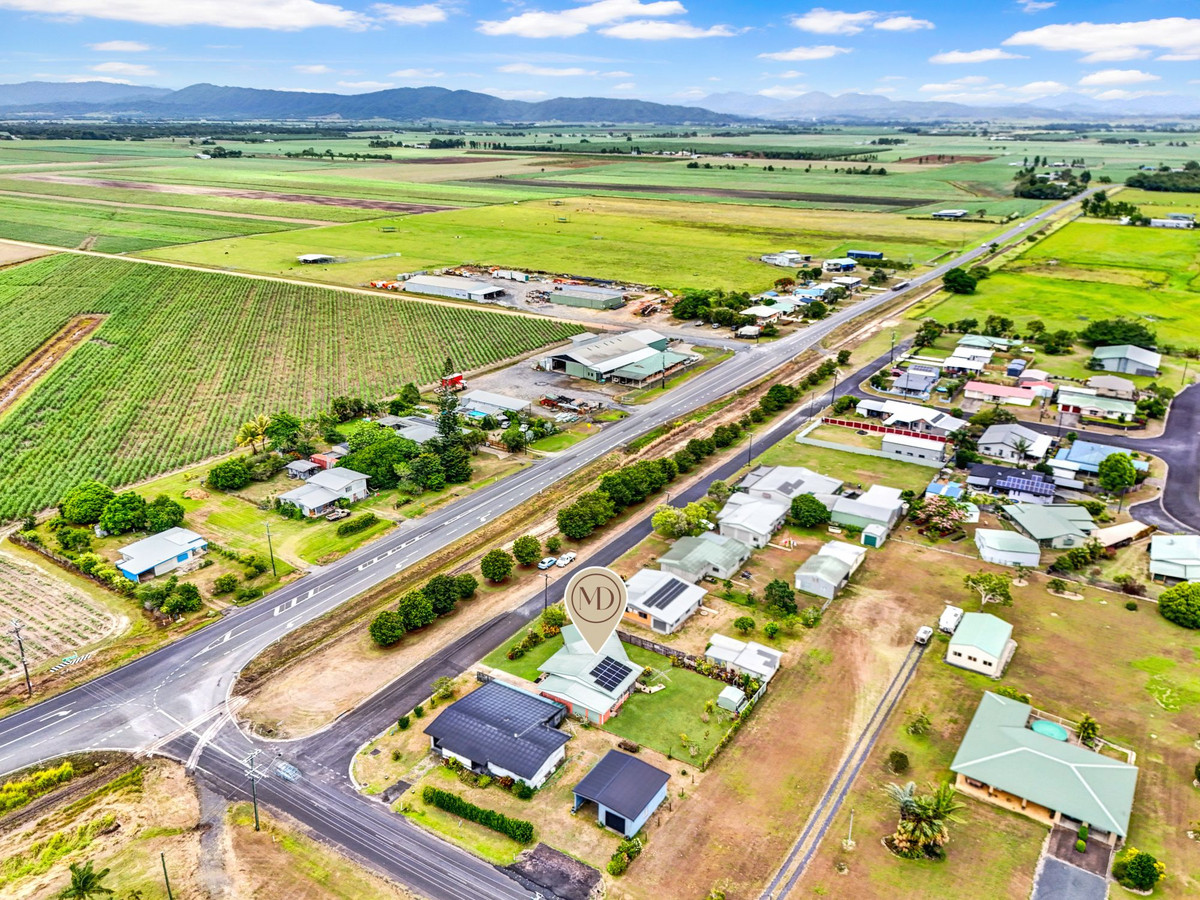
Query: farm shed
879	505
626	791
912	449
597	298
502	731
786	259
160	553
711	555
313	259
1127	359
747	657
950	214
661	601
827	571
590	685
1175	557
492	404
452	286
628	357
982	643
1002	759
864	254
1007	548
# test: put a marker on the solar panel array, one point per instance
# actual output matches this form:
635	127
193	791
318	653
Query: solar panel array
609	673
666	593
1028	485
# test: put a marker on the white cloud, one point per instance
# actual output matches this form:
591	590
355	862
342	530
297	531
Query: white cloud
1041	88
805	54
514	95
75	79
894	78
274	15
883	90
978	97
830	21
366	85
578	19
129	70
625	86
542	71
617	74
1117	76
425	14
903	23
120	47
651	30
690	94
1035	6
317	69
1119	94
972	56
1115	41
415	74
1179	57
791	73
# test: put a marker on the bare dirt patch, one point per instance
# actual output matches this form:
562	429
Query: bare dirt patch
44	358
243	194
11	253
944	160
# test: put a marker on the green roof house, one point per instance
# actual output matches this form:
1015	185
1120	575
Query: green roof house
1055	525
692	558
981	643
590	685
1007	548
1015	759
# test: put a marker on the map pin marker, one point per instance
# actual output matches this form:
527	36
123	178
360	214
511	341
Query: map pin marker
595	601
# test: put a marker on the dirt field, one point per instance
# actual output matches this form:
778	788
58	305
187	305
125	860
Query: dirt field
350	202
44	358
604	188
15	253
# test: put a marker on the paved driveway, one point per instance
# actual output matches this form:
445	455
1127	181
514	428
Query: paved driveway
1060	881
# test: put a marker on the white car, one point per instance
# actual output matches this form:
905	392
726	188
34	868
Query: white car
547	563
924	633
566	559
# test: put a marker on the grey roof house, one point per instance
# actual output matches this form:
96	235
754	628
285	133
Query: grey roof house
324	489
1175	557
626	791
1014	442
783	484
710	554
751	520
661	601
828	570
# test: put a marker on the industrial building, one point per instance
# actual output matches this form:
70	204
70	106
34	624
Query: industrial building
452	286
633	357
587	296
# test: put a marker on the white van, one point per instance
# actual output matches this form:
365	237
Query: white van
949	619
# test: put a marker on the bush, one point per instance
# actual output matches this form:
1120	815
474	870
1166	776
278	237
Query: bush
1131	605
555	615
74	540
357	524
84	504
810	616
496	566
744	624
522	791
466	585
419	711
1181	605
618	864
517	829
553	545
386	628
771	630
403	722
230	475
1137	869
224	584
898	762
1084	831
1081	845
246	594
1007	690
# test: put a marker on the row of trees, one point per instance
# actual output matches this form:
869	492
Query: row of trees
1186	181
93	502
420	607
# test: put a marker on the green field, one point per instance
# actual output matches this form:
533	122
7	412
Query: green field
654	242
111	229
185	356
1094	270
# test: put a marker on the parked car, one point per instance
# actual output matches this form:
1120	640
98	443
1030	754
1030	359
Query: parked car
566	559
924	633
715	325
547	562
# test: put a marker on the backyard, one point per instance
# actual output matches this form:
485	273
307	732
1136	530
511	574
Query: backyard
850	467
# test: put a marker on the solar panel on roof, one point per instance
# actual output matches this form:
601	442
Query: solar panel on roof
609	673
666	593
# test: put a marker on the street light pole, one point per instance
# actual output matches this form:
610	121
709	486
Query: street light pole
545	591
17	625
892	354
271	548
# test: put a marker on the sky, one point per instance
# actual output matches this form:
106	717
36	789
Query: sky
673	51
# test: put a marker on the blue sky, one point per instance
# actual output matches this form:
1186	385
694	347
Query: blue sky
667	50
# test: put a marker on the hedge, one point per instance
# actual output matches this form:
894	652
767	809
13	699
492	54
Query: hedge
517	829
357	524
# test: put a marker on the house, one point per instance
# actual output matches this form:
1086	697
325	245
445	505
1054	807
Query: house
751	520
1172	222
1022	485
326	460
864	254
1094	406
1015	442
160	553
745	657
625	789
492	404
453	286
850	282
1007	759
1056	526
590	685
1113	386
984	342
416	428
982	643
302	469
914	384
1086	456
910	416
786	259
1029	376
1175	557
879	505
661	601
763	314
914	449
783	484
963	364
502	731
951	490
828	570
708	556
1007	548
323	490
843	264
949	214
999	393
631	357
1127	359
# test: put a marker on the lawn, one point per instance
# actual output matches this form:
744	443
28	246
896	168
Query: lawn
555	442
184	357
850	467
668	243
527	666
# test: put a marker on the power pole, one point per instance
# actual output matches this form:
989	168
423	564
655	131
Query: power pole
892	354
166	878
272	551
17	625
545	591
253	775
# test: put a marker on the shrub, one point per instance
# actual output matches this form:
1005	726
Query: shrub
744	624
1181	605
386	628
771	630
810	616
1131	605
224	584
357	524
522	791
1081	845
618	864
74	540
1007	690
1084	831
555	616
517	829
442	689
230	475
403	722
419	711
898	762
466	584
397	755
1137	869
246	594
1196	771
553	545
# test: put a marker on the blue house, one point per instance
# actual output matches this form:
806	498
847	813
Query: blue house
626	792
160	553
1087	456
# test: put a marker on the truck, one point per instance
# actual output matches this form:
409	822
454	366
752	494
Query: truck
455	382
949	619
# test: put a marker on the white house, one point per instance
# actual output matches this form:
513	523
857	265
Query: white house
982	643
842	264
324	489
878	505
1175	557
1113	386
786	259
763	314
160	553
1007	548
849	282
999	393
913	449
783	484
1127	359
828	570
910	416
661	601
751	520
747	657
1014	442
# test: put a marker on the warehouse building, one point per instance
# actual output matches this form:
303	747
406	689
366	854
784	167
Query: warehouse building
632	357
587	296
453	287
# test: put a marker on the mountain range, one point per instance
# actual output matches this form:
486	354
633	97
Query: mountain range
36	99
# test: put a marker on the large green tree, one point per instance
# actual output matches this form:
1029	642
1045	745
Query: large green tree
1181	604
123	513
231	475
386	628
527	549
443	592
416	610
84	503
1116	472
496	566
992	588
449	445
959	281
284	429
163	513
808	512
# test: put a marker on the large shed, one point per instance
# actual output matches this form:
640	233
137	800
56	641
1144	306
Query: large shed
626	791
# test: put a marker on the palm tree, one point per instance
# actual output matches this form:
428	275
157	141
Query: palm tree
85	883
252	432
1021	446
921	829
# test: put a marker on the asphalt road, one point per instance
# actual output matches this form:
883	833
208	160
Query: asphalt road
175	701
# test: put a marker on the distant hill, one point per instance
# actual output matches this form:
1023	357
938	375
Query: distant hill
212	101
